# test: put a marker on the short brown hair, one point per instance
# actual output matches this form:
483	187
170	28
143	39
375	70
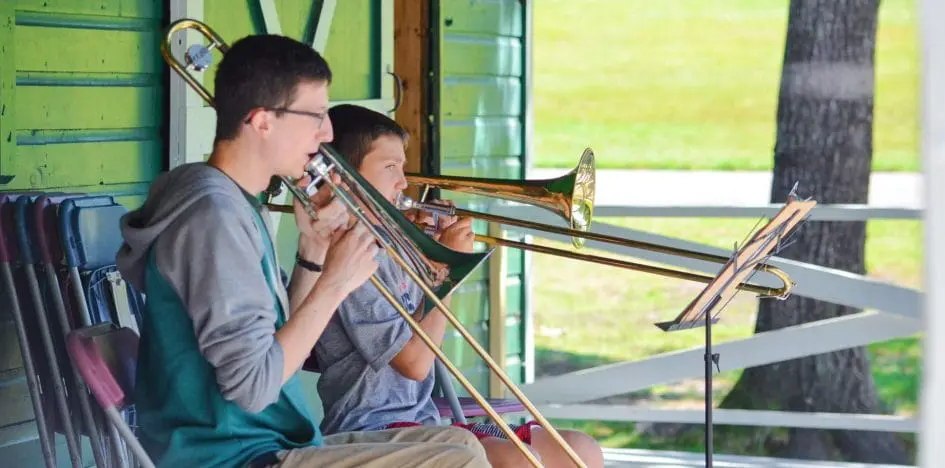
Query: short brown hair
262	71
356	128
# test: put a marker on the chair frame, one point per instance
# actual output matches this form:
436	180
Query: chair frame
111	380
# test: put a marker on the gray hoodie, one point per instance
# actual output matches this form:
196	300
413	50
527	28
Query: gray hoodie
207	244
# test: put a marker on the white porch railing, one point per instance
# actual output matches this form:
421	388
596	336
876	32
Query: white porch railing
890	311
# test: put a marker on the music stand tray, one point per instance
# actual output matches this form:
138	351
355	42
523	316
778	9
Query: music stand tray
704	310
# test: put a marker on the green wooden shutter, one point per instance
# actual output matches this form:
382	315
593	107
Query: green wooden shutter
480	131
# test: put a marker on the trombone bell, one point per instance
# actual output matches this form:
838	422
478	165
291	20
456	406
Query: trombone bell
570	196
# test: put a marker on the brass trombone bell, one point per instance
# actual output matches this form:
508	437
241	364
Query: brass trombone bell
570	196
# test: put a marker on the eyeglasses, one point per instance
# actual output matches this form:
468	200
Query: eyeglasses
318	116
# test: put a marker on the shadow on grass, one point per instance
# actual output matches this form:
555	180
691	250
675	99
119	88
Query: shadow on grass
646	435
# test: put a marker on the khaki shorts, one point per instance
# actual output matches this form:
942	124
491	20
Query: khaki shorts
421	447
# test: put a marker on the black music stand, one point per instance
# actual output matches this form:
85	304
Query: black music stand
767	241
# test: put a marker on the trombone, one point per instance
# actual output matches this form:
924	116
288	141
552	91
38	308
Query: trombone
571	197
436	269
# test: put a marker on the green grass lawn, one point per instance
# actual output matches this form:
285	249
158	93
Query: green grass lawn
586	315
690	84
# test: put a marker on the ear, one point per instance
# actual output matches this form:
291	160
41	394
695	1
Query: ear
260	121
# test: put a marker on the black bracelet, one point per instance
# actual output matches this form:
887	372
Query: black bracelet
313	267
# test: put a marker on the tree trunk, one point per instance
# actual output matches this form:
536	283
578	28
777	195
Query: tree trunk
824	142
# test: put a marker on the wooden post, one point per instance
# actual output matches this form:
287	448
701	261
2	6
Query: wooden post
411	63
497	313
932	430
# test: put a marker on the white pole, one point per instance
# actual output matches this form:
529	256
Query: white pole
932	414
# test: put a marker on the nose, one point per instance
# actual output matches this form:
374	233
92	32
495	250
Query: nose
327	132
401	181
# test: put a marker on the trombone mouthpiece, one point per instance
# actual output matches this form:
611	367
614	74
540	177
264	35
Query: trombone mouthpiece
404	202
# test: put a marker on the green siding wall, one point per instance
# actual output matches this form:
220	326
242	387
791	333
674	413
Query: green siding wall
353	44
82	108
89	97
353	50
481	134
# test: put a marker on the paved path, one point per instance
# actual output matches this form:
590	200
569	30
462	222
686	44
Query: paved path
675	188
636	458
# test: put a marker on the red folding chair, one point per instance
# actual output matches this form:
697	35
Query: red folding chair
107	357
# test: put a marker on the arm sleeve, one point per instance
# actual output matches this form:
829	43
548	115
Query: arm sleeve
212	259
375	328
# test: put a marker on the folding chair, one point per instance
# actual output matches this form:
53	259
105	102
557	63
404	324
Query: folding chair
49	239
107	357
50	375
90	238
38	231
461	408
33	364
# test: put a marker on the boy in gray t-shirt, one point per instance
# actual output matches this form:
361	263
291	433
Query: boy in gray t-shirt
358	386
375	374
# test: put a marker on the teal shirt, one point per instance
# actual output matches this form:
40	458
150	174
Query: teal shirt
184	419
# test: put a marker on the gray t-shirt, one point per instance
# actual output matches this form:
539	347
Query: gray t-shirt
358	387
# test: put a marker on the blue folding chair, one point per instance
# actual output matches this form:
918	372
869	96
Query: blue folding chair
61	382
38	234
90	238
35	364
